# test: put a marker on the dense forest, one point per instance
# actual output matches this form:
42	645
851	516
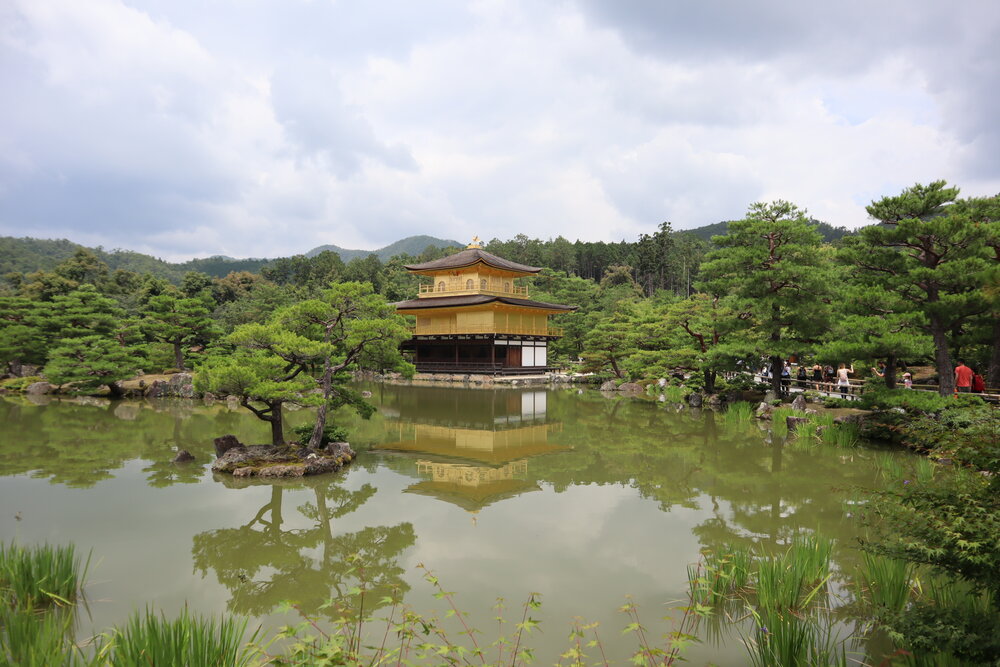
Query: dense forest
920	285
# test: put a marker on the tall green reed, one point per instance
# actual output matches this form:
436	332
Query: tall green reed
40	576
885	583
39	587
784	594
740	412
191	640
675	394
39	638
842	435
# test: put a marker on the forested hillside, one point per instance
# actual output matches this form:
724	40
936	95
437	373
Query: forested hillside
27	255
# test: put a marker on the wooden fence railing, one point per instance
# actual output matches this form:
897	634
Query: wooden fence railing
855	389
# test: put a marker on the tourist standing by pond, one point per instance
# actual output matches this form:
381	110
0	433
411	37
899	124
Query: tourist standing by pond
843	383
963	377
828	376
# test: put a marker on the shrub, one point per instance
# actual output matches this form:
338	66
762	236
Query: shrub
914	401
332	433
970	435
746	382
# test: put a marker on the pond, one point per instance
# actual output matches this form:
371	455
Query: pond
580	498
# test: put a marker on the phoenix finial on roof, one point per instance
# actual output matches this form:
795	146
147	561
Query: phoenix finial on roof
476	243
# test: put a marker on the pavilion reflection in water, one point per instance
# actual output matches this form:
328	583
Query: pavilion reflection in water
472	446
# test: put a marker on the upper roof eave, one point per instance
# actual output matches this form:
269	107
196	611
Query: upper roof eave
477	300
469	257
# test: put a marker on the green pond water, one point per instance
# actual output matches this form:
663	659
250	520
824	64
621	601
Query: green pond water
578	497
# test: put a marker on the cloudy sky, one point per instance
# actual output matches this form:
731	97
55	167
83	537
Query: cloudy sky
258	128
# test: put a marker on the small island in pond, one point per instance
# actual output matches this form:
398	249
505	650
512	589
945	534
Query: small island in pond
278	460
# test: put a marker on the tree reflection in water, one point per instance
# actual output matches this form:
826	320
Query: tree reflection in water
263	564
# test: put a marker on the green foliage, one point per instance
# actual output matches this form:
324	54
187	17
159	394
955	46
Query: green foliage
82	312
331	433
829	233
774	268
178	320
952	525
740	412
558	287
90	362
951	622
249	306
27	255
348	328
255	375
38	588
609	343
970	435
37	639
21	338
928	255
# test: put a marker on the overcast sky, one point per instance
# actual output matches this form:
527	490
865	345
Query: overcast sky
261	128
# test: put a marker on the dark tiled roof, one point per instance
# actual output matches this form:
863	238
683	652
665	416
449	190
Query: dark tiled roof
475	300
470	256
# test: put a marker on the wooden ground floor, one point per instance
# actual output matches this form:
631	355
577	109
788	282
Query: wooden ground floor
496	354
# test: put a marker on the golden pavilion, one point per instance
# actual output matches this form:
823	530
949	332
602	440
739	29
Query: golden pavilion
472	317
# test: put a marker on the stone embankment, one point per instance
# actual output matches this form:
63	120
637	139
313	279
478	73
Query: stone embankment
173	385
477	380
164	385
269	461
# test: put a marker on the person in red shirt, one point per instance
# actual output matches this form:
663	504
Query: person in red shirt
963	377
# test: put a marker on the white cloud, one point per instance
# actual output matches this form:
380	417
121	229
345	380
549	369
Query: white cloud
267	128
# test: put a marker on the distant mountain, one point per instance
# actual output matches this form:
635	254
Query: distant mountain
830	233
411	245
26	255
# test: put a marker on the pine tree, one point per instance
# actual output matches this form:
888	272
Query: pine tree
774	266
358	329
984	212
876	324
688	334
260	377
90	362
177	320
21	338
610	342
82	312
349	327
88	340
930	254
